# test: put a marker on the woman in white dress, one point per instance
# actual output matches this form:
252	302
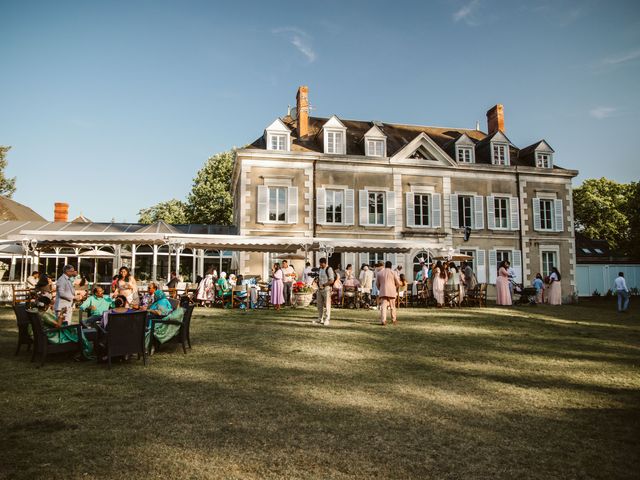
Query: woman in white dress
439	277
205	289
554	295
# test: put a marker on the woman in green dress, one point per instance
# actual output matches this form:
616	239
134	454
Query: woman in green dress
224	288
66	335
160	306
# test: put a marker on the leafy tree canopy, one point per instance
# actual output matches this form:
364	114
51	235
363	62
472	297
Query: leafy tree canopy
7	185
173	211
609	210
209	200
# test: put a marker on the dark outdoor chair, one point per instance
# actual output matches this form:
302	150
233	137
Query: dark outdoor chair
124	334
452	295
22	295
22	318
350	297
175	302
182	336
41	343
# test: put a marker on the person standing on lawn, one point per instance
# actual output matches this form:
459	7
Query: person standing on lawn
326	277
538	284
277	286
388	283
288	277
65	294
554	296
503	293
620	287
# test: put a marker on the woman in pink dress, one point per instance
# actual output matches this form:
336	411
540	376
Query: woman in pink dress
503	294
277	286
554	295
439	277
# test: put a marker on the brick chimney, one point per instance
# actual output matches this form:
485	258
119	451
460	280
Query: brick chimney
302	111
495	119
61	212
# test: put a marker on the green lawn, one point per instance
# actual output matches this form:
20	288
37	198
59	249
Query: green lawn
529	392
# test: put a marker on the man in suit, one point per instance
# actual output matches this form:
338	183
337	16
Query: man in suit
65	294
387	282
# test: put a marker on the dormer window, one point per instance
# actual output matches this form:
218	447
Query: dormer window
278	136
465	155
375	141
543	160
335	142
278	142
335	137
499	154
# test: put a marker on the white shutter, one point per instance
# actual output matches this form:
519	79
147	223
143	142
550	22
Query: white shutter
321	206
453	205
363	205
391	257
391	209
263	203
493	266
411	220
481	268
491	213
536	214
515	213
349	201
292	205
350	259
558	212
436	211
516	264
478	212
364	258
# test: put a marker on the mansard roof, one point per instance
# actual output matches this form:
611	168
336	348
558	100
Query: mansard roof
398	136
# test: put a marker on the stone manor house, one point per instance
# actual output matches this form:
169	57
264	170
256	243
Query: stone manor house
370	183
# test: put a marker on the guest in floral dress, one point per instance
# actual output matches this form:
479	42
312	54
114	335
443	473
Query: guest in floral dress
277	286
554	296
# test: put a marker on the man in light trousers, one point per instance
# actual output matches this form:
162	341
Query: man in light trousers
326	277
387	282
65	293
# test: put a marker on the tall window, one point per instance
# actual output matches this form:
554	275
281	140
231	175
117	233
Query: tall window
421	209
472	254
424	257
376	208
501	209
277	204
334	142
375	258
503	255
465	211
549	259
375	148
464	155
335	205
543	160
546	214
499	154
278	142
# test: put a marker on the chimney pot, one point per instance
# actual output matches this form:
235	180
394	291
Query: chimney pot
495	119
61	212
302	111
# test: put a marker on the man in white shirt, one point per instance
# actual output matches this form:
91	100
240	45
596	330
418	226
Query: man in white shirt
32	280
289	275
306	274
366	283
620	286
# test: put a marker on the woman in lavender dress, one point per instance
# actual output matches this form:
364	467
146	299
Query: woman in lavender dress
277	287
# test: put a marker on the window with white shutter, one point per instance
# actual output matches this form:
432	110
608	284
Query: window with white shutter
465	211
321	209
376	208
391	209
436	211
493	266
363	207
516	264
334	206
491	216
558	211
292	205
349	206
537	224
410	206
515	213
481	267
263	200
478	212
453	205
546	214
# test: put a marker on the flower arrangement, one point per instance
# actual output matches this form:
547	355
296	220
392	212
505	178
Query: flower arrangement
301	287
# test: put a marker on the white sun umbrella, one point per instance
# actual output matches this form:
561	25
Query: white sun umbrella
11	249
96	254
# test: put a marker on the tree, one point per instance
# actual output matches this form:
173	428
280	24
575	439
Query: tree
608	210
173	211
210	198
7	185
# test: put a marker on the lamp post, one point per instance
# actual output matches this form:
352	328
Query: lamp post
28	246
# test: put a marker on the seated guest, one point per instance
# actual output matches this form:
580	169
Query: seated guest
120	305
49	320
351	280
225	288
160	306
45	287
96	304
32	280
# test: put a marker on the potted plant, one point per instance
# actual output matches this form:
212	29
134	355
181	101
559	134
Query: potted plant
302	294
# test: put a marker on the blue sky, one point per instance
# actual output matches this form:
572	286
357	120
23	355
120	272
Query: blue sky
113	106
